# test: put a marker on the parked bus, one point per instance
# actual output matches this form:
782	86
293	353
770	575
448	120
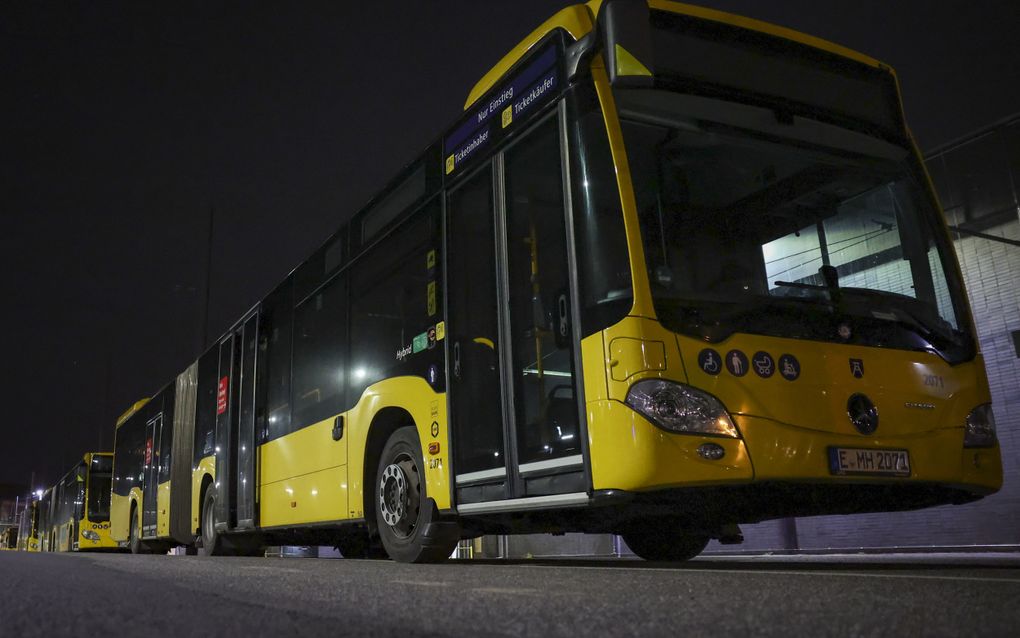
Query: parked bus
78	516
28	527
672	271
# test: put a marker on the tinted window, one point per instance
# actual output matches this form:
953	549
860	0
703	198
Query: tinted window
320	335
99	496
475	375
602	259
540	314
128	454
275	343
205	411
401	198
396	300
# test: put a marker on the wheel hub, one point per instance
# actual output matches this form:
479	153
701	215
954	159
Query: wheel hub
393	495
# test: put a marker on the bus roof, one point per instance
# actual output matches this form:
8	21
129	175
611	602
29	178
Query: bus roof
578	21
138	405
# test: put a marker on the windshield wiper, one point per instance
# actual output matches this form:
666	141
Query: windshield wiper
897	308
831	278
891	311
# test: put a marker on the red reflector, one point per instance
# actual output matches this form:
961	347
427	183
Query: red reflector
433	448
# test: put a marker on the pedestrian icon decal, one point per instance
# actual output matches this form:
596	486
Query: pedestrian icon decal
857	368
764	365
709	361
789	367
736	363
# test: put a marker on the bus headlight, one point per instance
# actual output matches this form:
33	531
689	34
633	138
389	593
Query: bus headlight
980	427
90	535
680	408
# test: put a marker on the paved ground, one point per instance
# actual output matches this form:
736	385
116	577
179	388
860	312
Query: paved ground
117	594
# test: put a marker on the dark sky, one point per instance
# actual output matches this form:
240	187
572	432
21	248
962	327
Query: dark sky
123	126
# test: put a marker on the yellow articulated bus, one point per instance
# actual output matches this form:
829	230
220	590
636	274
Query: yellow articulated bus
76	513
672	271
28	527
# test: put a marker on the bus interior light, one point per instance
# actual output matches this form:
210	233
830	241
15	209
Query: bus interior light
676	407
980	427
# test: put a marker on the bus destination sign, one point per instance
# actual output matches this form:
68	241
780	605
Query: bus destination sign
509	104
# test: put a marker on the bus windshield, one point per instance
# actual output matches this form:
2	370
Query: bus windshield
100	482
759	222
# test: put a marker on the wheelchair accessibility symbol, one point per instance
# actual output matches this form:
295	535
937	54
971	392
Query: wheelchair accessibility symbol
709	361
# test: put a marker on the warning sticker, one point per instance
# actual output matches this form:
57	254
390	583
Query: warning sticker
221	395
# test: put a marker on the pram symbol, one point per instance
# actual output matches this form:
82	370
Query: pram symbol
764	364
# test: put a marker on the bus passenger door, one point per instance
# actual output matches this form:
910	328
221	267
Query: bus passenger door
235	428
150	477
245	447
547	430
473	342
516	420
227	388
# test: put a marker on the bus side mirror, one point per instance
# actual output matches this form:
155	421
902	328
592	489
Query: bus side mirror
625	33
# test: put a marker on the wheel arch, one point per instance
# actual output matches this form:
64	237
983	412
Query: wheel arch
385	422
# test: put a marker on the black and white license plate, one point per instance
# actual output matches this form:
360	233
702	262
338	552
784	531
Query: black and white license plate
864	461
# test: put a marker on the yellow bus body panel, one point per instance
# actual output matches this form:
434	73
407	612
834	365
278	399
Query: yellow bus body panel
786	426
101	529
308	477
120	514
206	468
303	477
163	510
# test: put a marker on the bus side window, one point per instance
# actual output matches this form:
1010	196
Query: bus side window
390	304
320	354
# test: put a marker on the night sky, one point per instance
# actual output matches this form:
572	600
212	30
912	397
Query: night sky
123	128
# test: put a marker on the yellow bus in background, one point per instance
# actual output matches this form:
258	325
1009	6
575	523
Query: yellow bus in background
28	527
77	516
672	271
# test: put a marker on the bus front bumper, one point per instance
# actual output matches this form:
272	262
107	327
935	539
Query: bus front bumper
628	453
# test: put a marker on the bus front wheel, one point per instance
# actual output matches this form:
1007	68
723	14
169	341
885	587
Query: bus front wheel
408	522
663	541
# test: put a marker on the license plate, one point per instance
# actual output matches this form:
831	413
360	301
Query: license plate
850	460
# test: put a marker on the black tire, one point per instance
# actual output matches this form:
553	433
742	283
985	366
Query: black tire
135	543
402	509
212	543
663	541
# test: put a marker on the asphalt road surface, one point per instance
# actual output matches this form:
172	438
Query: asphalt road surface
118	594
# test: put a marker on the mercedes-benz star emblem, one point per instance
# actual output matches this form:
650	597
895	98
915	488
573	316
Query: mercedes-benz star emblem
863	413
